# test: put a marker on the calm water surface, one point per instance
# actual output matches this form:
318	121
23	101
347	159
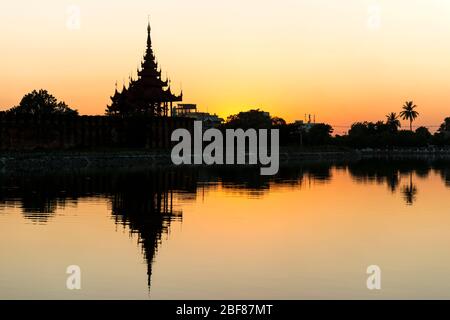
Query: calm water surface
308	233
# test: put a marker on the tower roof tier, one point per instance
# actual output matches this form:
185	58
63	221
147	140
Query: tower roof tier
148	92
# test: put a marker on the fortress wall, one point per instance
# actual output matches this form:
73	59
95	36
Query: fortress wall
24	132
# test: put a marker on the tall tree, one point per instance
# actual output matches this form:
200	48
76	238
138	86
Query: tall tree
255	119
409	112
445	126
393	122
41	103
278	122
319	134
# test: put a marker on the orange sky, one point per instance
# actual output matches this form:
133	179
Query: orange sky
333	58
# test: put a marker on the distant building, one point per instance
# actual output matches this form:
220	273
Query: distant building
302	126
184	109
190	111
307	124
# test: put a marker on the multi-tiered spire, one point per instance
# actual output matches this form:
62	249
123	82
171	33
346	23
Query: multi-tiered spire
149	94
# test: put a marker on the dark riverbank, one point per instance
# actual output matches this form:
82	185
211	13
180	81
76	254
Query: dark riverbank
32	161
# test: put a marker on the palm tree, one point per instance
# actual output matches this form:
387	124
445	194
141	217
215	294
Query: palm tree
409	113
392	121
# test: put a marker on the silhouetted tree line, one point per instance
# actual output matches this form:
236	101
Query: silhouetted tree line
290	133
381	134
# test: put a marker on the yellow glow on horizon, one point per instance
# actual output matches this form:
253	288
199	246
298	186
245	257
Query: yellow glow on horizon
290	58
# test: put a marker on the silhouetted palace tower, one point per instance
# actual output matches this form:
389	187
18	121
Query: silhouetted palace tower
149	94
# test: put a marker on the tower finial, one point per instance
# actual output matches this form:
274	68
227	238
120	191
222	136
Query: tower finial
149	29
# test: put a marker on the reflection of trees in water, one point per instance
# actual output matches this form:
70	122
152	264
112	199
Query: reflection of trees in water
443	168
248	180
387	172
140	199
390	171
410	191
143	199
39	196
446	176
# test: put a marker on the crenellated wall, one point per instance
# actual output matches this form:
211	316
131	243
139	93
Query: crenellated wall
26	132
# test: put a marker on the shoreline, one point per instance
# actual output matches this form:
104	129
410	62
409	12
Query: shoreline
74	160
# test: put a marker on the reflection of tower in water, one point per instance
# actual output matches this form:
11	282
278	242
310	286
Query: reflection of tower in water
144	203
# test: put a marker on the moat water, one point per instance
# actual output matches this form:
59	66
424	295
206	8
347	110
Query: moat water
177	233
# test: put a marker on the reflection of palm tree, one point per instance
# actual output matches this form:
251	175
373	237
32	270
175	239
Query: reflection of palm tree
409	113
410	192
392	121
393	181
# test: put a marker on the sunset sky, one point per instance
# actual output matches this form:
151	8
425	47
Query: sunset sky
336	59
